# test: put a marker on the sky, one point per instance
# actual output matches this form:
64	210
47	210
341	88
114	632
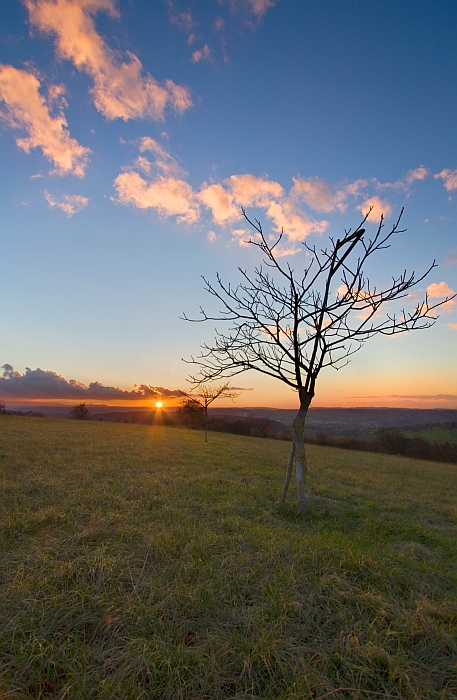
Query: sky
132	133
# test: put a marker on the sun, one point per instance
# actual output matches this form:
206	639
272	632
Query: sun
159	404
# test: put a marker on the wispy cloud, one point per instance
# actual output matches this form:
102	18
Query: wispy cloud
320	196
47	384
451	257
249	8
203	54
163	161
405	183
436	397
70	204
25	108
452	325
120	90
439	397
449	177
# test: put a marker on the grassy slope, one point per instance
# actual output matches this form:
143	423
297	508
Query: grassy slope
141	563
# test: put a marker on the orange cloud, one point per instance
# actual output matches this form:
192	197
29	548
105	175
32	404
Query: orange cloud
441	290
221	203
296	226
226	199
248	190
449	177
168	196
378	207
26	109
120	90
419	173
70	204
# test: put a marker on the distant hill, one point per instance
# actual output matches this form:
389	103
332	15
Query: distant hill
347	420
336	421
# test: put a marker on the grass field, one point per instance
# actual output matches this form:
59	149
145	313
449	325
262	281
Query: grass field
139	562
435	434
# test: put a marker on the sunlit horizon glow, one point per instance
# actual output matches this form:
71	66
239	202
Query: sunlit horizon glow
133	139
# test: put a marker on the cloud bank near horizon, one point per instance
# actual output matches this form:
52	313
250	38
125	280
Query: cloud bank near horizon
47	384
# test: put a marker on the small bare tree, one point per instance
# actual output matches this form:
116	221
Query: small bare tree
290	326
206	394
79	411
191	412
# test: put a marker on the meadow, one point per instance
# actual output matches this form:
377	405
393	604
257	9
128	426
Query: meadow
140	562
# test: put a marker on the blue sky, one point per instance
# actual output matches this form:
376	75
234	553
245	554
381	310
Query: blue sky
132	132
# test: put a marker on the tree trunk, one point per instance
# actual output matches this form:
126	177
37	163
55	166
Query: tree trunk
206	423
301	464
288	475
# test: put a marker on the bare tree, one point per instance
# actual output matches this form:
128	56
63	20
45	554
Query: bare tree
79	411
206	394
191	412
290	326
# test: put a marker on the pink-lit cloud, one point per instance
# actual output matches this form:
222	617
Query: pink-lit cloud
297	226
120	90
452	325
226	199
221	203
317	194
247	8
47	384
449	177
172	195
167	195
441	290
323	197
203	54
70	204
248	190
163	161
23	107
405	183
378	208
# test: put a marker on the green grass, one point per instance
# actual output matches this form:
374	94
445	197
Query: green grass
139	562
435	434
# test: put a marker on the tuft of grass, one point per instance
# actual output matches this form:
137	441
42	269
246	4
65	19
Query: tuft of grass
140	562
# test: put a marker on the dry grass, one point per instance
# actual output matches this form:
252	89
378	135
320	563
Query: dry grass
139	562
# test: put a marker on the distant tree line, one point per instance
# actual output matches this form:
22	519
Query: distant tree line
393	442
5	412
